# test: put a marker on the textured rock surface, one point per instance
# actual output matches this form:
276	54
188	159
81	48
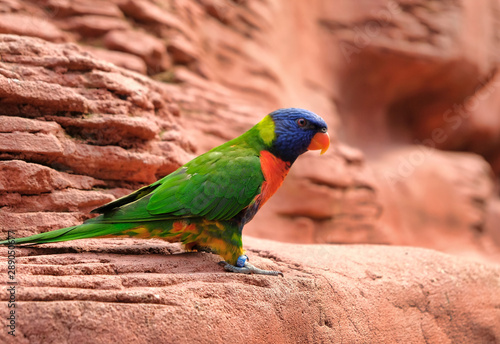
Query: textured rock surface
428	72
70	124
333	294
437	192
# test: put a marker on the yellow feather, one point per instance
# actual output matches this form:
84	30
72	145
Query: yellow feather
266	129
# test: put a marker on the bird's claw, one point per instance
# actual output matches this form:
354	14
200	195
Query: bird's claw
249	269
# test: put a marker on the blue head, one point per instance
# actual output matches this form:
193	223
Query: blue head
293	131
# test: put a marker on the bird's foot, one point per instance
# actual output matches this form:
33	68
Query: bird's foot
244	267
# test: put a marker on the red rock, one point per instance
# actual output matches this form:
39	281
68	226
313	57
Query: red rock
98	87
441	65
473	123
491	222
27	178
68	200
27	25
36	222
24	143
10	124
120	59
10	6
220	10
28	52
146	46
109	162
328	292
110	130
143	10
65	8
181	50
437	199
41	94
93	25
121	84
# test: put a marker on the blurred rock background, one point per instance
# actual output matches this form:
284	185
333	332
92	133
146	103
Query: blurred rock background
98	98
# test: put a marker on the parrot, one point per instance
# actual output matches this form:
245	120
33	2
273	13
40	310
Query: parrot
205	203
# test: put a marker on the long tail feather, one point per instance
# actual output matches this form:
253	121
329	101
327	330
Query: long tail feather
83	231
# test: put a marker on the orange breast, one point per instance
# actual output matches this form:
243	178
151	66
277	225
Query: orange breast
275	171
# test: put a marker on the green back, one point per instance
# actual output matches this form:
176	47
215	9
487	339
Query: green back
216	185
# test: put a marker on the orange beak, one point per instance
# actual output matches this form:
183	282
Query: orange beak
320	141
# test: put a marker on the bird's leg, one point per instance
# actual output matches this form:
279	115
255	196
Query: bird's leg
244	267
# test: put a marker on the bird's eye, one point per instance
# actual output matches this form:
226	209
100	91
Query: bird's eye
302	122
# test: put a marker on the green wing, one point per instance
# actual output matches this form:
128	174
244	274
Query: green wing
134	196
216	185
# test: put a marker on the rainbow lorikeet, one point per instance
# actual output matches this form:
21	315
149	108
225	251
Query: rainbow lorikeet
205	203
